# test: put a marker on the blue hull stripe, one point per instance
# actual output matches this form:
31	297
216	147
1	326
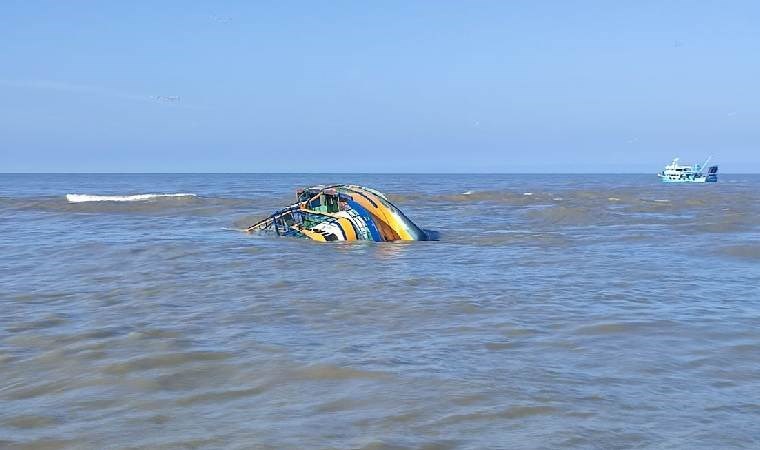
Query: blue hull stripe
367	219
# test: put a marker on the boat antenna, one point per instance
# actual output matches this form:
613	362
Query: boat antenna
707	161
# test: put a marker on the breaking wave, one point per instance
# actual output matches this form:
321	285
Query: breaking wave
82	198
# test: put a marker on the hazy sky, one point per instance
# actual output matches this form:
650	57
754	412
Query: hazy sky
385	86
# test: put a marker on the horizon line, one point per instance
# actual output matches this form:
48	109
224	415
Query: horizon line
351	173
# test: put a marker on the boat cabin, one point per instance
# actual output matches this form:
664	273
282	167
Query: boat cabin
324	200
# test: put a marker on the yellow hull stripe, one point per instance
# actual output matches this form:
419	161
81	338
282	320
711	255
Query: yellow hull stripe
348	229
383	213
313	234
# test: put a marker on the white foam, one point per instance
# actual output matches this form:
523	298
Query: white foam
527	193
613	199
81	198
467	193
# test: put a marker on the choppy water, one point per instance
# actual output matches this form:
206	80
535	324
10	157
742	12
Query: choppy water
568	311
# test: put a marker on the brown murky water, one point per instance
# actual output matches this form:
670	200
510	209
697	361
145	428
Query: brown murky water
572	311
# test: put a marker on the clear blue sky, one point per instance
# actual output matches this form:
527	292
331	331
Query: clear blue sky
386	86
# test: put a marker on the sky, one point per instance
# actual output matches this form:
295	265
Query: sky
385	86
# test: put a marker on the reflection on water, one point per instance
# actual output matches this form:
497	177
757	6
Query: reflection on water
598	312
393	251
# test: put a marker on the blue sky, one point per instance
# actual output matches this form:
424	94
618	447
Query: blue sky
407	86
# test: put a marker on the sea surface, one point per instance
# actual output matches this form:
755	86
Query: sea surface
554	312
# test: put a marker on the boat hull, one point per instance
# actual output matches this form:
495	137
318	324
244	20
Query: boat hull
342	213
695	180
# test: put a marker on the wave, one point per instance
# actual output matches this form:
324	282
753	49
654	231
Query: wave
82	198
178	204
749	250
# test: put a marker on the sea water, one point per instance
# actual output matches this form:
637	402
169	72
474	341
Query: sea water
554	311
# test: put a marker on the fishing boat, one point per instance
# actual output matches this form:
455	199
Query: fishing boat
341	212
677	173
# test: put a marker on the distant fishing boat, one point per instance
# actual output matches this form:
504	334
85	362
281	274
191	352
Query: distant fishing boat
677	173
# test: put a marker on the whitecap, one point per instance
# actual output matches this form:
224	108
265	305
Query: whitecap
527	193
81	198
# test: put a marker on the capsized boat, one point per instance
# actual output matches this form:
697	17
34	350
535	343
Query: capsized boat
341	212
677	173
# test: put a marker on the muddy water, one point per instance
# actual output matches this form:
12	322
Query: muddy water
569	311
